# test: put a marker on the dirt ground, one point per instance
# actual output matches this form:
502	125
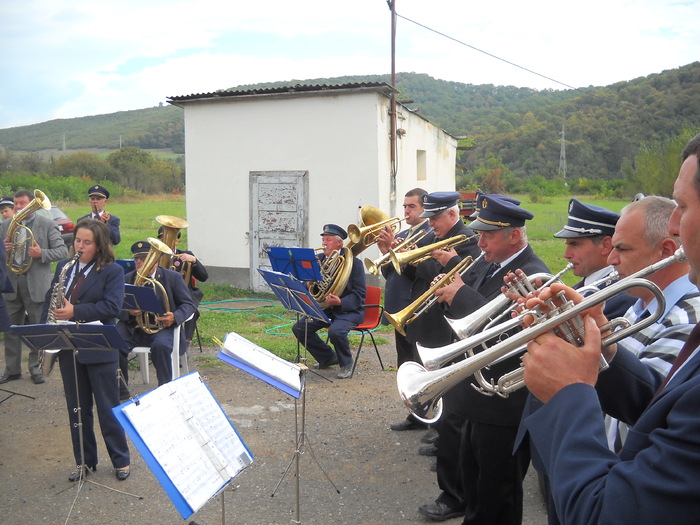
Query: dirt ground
378	473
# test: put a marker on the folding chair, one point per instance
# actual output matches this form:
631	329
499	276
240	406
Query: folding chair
373	315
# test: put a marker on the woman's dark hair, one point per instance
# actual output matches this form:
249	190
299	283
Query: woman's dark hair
100	232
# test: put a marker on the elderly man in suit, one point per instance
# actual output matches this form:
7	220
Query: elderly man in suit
30	286
98	196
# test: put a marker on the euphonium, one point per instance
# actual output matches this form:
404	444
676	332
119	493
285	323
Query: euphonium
147	321
372	220
427	299
335	273
423	254
171	229
407	244
422	389
20	247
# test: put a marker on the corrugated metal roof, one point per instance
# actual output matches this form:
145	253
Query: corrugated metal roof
297	88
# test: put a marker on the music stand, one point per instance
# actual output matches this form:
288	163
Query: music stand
141	298
76	337
299	262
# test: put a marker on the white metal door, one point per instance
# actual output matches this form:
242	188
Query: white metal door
279	200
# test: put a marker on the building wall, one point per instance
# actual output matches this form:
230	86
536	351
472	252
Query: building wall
340	139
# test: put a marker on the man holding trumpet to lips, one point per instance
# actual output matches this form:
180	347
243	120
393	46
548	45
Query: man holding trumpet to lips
98	196
653	478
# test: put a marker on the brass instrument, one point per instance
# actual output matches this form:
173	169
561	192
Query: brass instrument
20	247
335	273
171	229
427	299
147	321
422	389
406	244
48	358
372	221
417	256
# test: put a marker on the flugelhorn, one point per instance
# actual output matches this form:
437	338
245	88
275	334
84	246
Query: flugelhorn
373	266
427	299
417	256
422	389
372	220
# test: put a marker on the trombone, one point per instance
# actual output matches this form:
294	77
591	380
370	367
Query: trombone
409	243
419	255
427	299
422	389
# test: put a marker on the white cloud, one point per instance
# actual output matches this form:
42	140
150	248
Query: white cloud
70	58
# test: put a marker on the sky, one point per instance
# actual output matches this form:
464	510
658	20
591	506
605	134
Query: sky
72	58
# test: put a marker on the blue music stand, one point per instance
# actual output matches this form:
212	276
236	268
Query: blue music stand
299	262
141	298
294	295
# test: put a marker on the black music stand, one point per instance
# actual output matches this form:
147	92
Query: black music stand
76	337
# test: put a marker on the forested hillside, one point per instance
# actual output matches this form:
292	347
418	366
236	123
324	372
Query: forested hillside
514	132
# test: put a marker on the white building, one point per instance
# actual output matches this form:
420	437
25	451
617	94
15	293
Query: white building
270	167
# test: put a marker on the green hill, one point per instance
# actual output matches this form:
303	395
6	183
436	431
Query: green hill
520	128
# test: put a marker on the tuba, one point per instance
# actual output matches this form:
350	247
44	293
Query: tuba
171	230
335	273
147	321
18	259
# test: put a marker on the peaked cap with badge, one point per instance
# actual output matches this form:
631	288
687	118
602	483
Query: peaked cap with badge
140	248
479	195
334	229
435	203
98	191
587	220
498	212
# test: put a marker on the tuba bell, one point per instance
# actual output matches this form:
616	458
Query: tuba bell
171	229
147	321
18	259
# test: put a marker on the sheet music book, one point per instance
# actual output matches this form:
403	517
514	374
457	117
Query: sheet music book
263	364
186	439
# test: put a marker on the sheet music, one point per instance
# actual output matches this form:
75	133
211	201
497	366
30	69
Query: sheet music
262	360
190	436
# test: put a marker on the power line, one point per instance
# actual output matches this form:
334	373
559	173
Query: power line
593	95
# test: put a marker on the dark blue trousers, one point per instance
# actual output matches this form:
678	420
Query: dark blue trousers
305	332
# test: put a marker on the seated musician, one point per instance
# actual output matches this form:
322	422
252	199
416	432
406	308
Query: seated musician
161	343
345	311
198	273
98	196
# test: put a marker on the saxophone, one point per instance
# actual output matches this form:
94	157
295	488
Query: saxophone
47	358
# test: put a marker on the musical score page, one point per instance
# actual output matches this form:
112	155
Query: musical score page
190	436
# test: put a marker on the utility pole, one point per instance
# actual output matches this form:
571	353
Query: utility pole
562	156
392	113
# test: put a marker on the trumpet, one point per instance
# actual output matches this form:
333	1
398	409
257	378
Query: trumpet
409	243
427	299
422	389
417	256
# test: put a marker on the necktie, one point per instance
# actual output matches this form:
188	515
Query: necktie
21	244
688	348
492	270
76	289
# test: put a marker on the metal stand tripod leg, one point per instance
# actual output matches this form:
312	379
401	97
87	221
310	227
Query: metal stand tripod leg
302	442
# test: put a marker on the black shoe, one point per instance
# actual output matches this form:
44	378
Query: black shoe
327	364
75	473
408	424
430	437
428	450
438	511
122	473
38	378
5	378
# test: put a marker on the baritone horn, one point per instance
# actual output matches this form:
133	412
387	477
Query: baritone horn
417	256
422	389
21	237
409	243
427	299
148	321
372	220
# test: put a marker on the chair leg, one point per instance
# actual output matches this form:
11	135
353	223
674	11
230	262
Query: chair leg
376	350
199	341
357	356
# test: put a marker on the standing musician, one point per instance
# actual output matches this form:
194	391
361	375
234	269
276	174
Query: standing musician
30	285
7	207
91	289
477	432
161	342
345	311
198	273
98	196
